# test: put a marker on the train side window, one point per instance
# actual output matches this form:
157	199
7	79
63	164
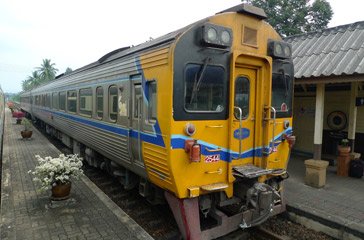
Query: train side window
62	101
43	100
72	101
113	103
152	105
86	101
137	95
55	102
48	100
100	102
242	94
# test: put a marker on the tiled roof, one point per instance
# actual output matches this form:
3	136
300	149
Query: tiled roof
330	52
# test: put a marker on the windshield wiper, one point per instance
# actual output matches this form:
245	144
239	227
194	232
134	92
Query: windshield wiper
285	82
198	81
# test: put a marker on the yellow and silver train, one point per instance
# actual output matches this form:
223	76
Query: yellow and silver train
202	115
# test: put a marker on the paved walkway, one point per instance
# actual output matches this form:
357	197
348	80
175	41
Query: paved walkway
339	206
28	214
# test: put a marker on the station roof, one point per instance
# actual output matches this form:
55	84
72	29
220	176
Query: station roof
331	52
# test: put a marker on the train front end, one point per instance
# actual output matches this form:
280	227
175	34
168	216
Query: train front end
232	123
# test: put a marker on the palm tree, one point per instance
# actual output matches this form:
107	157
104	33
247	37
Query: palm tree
31	81
47	71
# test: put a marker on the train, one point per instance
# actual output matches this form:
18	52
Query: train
200	118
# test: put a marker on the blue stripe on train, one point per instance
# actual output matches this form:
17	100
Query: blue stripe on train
227	155
177	141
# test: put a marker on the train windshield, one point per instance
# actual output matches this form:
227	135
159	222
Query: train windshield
205	88
282	94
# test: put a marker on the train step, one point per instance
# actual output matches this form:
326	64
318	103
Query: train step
251	171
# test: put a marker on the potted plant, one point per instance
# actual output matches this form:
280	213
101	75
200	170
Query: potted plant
343	160
56	173
27	132
344	148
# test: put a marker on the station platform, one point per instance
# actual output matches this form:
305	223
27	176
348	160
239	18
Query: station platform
27	213
336	209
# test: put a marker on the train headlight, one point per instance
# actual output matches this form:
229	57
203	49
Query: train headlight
211	34
225	37
216	36
279	49
287	51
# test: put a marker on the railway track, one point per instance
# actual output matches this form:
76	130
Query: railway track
157	220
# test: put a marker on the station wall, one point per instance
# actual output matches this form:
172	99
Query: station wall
304	122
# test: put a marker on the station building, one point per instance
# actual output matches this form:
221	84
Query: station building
329	90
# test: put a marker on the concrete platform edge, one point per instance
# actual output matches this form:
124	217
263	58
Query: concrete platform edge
330	227
120	214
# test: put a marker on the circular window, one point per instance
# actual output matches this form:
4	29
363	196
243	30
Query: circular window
337	120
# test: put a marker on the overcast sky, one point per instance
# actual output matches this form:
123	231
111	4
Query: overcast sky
73	33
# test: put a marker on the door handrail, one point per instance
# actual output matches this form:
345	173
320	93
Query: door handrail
240	128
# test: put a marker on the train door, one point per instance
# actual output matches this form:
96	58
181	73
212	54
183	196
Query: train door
136	120
242	118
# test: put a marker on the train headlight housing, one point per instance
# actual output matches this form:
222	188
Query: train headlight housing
216	36
279	49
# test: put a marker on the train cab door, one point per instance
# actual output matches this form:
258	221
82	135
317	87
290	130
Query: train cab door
242	118
136	131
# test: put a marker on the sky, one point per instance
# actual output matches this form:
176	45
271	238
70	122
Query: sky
74	33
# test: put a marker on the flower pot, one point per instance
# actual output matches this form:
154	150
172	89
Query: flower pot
343	150
26	134
61	191
343	161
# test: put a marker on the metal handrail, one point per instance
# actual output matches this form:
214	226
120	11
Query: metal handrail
240	128
274	125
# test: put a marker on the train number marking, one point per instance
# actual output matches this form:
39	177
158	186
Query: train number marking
212	158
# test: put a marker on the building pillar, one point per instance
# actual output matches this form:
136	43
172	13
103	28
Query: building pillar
319	120
316	168
352	114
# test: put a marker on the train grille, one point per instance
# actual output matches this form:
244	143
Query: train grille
155	159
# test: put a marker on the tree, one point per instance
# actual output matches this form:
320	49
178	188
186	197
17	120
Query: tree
31	81
290	17
68	71
47	71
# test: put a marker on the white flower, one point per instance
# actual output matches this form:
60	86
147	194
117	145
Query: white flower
51	171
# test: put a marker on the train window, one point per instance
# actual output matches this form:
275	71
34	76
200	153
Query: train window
113	103
152	105
100	102
242	90
48	100
282	92
205	88
55	101
62	101
137	96
86	101
72	101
